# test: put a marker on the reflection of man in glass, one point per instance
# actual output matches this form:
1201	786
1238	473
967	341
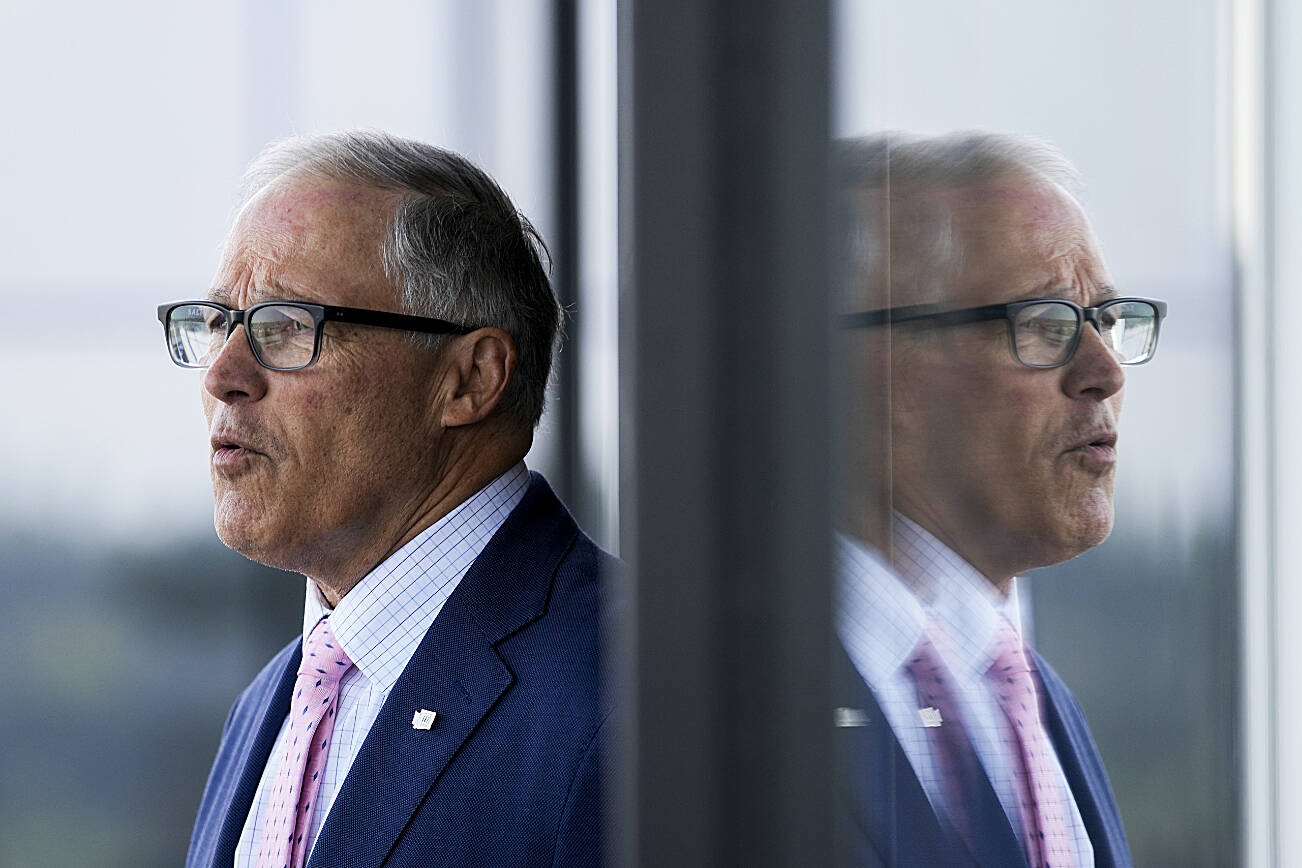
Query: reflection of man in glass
990	340
376	347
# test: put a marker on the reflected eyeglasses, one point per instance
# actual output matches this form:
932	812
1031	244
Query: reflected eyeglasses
284	335
1045	332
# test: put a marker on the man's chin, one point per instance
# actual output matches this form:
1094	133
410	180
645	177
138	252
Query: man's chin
241	541
1086	527
1059	529
242	527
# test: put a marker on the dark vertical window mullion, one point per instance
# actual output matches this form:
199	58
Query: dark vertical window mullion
725	430
565	252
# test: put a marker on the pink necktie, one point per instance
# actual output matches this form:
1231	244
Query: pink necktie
956	763
298	777
1044	816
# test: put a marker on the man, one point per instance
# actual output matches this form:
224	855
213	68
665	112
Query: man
988	344
377	342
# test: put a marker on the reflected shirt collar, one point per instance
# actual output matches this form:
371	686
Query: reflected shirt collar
961	600
879	620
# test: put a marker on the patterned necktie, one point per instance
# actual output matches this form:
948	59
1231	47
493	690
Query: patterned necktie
298	777
957	766
1044	816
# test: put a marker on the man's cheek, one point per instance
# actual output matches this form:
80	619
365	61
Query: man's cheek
314	399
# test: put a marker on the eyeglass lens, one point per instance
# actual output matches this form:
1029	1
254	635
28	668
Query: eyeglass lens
1045	334
283	336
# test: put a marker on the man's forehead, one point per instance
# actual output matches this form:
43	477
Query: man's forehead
1007	239
299	201
309	239
1095	294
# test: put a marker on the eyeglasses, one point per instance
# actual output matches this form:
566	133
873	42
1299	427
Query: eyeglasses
1045	332
284	335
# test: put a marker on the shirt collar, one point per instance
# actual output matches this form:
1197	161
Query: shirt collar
957	597
879	620
381	621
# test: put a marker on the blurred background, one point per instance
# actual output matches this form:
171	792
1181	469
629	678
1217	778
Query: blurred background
128	125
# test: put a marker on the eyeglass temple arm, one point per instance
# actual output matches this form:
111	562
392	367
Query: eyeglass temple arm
920	312
428	325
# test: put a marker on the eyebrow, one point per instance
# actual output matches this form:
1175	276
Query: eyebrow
1102	292
271	290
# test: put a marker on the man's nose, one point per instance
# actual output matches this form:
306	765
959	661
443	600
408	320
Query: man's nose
235	376
1093	371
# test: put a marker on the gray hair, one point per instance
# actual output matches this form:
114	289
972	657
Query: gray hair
457	248
898	165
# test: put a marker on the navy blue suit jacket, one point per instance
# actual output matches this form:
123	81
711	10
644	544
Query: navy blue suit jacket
889	823
510	772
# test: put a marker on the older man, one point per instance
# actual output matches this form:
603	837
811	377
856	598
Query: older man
988	340
377	342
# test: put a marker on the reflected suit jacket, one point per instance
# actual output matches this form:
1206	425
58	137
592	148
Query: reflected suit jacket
889	823
509	774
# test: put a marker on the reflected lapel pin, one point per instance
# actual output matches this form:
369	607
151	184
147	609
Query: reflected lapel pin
423	719
850	717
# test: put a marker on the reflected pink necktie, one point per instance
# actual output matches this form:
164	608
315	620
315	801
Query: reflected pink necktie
298	777
1044	816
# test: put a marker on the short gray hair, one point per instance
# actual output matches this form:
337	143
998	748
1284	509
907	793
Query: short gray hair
910	162
457	248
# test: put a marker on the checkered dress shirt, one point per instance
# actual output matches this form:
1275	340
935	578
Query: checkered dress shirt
881	616
379	624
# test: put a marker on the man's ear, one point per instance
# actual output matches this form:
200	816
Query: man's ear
480	365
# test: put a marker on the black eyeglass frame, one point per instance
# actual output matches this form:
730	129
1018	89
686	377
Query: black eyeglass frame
1009	311
321	314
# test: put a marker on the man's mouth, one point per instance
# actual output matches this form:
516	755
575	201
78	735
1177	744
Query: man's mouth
230	449
1097	448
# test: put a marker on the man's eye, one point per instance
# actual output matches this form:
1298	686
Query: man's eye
280	330
292	321
1048	329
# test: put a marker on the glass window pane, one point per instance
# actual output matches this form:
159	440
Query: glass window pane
1143	625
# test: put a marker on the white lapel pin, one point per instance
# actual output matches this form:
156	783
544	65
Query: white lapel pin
423	719
849	717
930	716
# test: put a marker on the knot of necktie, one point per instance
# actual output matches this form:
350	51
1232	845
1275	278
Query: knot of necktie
323	660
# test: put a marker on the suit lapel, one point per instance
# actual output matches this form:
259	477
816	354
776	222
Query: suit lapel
254	750
455	672
888	803
1083	769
